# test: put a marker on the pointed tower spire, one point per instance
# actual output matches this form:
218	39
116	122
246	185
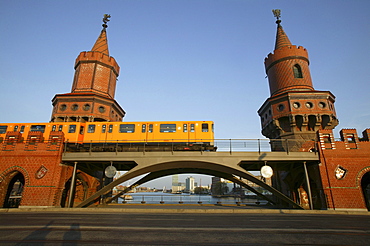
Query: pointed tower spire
295	110
101	44
281	37
93	88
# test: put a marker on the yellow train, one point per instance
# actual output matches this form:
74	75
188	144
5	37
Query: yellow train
177	135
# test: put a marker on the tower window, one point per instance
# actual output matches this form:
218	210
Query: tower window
63	107
322	104
101	109
297	71
296	105
74	107
309	104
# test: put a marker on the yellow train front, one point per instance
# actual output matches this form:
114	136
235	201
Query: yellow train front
124	136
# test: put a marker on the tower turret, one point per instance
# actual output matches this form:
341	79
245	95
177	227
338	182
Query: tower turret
93	88
294	110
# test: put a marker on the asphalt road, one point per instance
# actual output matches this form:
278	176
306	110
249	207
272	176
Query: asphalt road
103	228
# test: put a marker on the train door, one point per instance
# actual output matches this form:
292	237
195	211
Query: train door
191	129
147	130
104	132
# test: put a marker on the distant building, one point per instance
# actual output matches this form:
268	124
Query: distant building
189	184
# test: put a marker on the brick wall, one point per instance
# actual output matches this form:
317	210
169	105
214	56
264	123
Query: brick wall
40	164
343	164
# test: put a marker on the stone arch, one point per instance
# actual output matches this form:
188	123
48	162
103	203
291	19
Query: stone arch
7	179
8	171
12	190
360	175
363	181
81	193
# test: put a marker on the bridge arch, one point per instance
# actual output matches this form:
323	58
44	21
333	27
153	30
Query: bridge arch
154	170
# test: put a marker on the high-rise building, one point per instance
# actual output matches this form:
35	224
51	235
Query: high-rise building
189	184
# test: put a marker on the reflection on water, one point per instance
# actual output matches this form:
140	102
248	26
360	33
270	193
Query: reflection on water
168	198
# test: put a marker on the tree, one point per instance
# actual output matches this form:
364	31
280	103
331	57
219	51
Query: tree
220	188
200	190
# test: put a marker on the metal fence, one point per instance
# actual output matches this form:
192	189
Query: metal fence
155	198
219	145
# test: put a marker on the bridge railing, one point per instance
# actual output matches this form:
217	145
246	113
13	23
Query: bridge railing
168	198
219	145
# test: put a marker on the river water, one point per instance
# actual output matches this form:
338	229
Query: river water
168	198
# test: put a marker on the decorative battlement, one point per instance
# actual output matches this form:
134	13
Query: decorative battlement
366	135
291	51
96	56
348	139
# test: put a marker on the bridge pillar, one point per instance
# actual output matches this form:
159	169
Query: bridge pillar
73	186
308	185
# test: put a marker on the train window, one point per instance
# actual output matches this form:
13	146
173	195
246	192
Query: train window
60	128
185	128
110	130
3	129
22	129
127	128
54	127
192	128
103	128
91	129
72	129
150	128
213	128
15	128
168	128
82	130
204	127
37	128
143	128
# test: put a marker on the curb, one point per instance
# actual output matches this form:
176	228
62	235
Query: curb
184	210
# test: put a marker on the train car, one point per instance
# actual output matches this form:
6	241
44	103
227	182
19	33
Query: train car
176	135
183	135
73	131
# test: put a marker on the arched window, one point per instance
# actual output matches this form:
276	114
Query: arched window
297	71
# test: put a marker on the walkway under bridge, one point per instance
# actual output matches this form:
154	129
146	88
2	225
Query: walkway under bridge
228	164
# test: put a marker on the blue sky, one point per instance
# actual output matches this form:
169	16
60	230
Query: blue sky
184	59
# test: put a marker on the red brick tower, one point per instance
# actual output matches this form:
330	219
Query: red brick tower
295	110
93	89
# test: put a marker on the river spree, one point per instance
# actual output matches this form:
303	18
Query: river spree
168	198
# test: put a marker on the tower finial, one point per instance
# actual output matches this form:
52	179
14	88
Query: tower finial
105	20
277	14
